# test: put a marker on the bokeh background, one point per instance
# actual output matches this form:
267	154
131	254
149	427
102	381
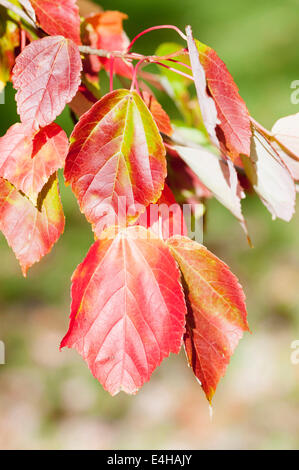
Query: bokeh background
49	399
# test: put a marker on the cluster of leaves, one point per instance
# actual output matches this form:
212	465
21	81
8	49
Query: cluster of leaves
144	288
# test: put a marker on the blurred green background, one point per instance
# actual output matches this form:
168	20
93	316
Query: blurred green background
49	399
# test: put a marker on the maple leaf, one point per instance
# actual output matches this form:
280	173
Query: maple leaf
128	309
233	132
270	178
216	311
29	230
165	218
28	159
116	156
46	76
110	36
59	17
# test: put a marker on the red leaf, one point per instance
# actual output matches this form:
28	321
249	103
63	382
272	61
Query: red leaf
116	162
110	36
234	130
47	77
31	231
59	17
128	309
27	160
165	218
216	312
160	116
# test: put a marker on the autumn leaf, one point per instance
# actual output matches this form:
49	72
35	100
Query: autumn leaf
128	309
108	27
234	130
46	77
270	178
216	311
116	157
28	159
165	218
59	17
29	230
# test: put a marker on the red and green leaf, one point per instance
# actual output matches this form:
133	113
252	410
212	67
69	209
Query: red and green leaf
116	154
29	230
216	311
234	130
128	309
28	159
46	77
59	17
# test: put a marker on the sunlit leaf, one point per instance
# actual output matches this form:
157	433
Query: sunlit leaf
128	309
116	157
28	159
59	17
216	311
161	117
46	77
29	230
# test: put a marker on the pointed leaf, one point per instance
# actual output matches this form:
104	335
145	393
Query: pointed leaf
216	311
47	77
206	103
31	231
59	17
270	178
234	130
116	156
27	159
128	309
